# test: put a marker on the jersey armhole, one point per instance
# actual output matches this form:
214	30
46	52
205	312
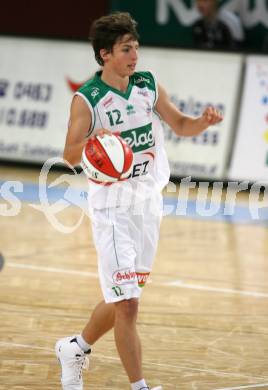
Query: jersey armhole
91	111
156	89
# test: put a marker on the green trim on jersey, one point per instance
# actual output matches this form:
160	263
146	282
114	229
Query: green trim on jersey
143	80
107	87
95	89
93	119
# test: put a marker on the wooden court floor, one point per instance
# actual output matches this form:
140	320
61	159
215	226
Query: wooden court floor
203	317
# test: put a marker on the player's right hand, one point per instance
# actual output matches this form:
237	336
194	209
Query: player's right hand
102	132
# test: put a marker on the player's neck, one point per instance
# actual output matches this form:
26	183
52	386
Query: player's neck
114	80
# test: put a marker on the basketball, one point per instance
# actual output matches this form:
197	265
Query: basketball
107	159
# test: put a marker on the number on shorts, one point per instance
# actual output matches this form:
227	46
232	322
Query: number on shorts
117	291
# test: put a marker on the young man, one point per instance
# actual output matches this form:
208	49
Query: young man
125	227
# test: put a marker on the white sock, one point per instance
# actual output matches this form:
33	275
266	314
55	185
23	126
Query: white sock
82	343
140	385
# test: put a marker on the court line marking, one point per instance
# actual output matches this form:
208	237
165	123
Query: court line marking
175	283
105	357
258	385
52	269
181	284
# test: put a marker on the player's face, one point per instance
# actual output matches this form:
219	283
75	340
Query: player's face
124	56
206	7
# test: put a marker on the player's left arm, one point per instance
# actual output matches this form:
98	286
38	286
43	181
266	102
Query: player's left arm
181	124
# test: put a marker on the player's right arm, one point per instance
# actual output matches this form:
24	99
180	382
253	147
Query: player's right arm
78	129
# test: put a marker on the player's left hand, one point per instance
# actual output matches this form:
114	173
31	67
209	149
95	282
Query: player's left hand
211	116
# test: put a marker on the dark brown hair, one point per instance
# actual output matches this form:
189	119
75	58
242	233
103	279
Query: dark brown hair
107	30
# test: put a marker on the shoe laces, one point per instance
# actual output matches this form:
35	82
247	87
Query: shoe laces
82	363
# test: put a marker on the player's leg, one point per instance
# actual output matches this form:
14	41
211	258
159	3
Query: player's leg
147	218
101	321
127	339
122	316
72	351
144	230
119	285
115	242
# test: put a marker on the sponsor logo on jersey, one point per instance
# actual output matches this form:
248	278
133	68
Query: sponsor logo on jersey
148	108
95	91
139	139
108	102
124	276
141	169
143	93
130	109
142	79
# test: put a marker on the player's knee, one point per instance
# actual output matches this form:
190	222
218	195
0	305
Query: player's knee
127	309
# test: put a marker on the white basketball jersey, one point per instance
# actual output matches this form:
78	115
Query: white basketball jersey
131	115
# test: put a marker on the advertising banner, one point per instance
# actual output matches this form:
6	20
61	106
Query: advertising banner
37	81
169	22
250	154
195	80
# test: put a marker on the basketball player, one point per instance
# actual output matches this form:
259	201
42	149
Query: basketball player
120	99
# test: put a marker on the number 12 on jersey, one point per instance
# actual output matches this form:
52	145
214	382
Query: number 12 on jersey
114	117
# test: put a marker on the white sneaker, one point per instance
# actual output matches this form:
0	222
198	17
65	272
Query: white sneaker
72	359
153	388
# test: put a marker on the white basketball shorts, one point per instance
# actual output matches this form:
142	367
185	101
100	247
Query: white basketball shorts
126	240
